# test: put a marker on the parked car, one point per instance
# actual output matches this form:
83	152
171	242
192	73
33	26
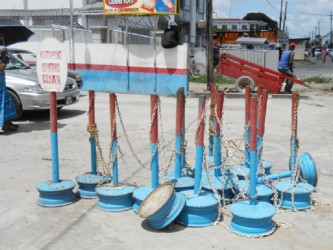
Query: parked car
23	86
30	58
317	52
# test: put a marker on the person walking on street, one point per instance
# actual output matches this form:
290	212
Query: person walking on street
7	107
323	55
286	66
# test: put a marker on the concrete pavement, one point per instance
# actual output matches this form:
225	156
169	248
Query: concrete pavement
25	160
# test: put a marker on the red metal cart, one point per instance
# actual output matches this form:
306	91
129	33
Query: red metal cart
248	73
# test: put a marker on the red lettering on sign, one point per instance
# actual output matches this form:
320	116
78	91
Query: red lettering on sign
120	3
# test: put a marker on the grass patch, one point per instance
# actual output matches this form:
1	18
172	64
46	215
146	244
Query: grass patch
318	79
217	79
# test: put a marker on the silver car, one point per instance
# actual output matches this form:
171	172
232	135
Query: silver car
23	86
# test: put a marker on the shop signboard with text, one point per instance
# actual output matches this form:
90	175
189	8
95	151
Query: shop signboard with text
141	7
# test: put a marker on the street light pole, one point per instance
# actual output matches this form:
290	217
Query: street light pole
209	47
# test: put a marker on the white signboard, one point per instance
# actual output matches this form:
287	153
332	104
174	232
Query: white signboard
51	65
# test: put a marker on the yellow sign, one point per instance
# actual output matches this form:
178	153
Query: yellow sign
144	7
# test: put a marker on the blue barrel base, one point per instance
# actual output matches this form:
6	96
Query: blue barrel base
264	193
252	219
200	210
56	194
115	198
139	195
308	169
302	195
87	184
243	171
183	183
221	183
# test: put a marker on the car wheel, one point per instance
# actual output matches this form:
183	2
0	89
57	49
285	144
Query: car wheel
242	82
17	103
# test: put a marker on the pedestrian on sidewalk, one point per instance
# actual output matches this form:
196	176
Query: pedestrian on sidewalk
7	107
323	55
286	66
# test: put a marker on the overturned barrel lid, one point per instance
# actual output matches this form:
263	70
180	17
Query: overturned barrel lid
162	206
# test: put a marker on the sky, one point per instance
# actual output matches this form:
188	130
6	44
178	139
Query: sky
303	16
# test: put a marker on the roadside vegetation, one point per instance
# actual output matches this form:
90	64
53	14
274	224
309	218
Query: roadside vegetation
318	79
217	79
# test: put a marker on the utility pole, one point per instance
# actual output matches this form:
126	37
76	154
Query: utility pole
209	47
331	31
281	15
285	17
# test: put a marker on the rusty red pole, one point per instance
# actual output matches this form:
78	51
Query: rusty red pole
253	149
112	99
54	137
199	145
247	122
154	139
217	139
92	125
179	133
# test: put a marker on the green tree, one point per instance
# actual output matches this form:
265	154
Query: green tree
272	25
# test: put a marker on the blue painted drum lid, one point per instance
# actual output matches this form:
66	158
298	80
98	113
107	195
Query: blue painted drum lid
156	200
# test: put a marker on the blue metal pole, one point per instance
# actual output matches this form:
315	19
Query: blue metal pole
198	168
115	163
54	137
112	102
217	156
55	161
199	146
247	130
154	166
253	150
217	137
92	124
293	156
178	158
93	155
154	139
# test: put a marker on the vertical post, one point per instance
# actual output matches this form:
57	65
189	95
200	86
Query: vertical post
200	145
253	149
179	133
154	139
112	99
92	125
54	137
212	120
217	138
262	118
247	123
293	149
209	41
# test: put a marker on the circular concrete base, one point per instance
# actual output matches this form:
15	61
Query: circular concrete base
115	198
301	193
87	185
252	219
199	210
55	194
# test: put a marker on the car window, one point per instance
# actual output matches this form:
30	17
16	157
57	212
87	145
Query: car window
16	63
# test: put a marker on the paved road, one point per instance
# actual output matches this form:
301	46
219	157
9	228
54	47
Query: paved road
316	68
25	160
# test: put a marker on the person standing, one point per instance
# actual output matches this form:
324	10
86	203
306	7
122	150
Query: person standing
323	55
286	66
7	107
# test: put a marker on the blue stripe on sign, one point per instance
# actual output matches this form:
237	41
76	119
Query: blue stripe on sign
140	83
